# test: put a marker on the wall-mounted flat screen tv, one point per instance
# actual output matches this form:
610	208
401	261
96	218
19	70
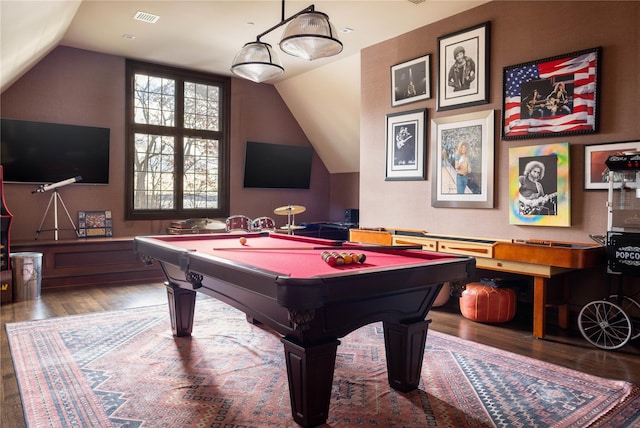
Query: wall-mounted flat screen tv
44	153
277	166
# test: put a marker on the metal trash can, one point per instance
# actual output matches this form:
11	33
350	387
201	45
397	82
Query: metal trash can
27	275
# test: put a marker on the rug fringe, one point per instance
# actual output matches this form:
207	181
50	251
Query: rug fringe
633	394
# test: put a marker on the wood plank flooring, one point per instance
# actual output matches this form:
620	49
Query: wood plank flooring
565	348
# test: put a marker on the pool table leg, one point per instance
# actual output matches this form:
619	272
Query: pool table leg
404	346
310	374
182	304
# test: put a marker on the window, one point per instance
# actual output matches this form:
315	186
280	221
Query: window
177	143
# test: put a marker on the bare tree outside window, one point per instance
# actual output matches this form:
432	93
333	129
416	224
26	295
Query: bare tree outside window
178	122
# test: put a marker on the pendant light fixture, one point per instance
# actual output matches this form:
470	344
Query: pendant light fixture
309	35
257	62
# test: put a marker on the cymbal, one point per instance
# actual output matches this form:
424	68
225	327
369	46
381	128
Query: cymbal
215	225
292	227
289	209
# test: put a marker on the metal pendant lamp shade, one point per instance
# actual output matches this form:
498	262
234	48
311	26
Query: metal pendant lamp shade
310	36
257	62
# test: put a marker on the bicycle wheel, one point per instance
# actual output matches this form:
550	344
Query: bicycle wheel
630	307
604	324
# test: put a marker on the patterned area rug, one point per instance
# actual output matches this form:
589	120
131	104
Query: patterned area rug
125	369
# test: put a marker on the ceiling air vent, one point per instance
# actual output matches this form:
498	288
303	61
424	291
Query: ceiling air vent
146	17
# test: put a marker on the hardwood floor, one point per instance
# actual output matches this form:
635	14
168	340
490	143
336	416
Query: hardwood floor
565	348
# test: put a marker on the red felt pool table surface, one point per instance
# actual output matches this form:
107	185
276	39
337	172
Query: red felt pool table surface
297	257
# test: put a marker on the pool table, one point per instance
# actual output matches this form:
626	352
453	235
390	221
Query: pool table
283	282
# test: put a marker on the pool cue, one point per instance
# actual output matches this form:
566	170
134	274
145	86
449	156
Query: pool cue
324	247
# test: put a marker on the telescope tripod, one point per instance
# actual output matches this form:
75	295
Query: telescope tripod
55	197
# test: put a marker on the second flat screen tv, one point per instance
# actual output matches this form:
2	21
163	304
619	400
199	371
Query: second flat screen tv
277	166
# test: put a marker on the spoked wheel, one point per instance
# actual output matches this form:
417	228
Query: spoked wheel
630	307
605	325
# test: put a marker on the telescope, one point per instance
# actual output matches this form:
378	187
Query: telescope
46	187
55	197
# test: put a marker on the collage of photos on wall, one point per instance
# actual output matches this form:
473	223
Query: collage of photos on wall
550	97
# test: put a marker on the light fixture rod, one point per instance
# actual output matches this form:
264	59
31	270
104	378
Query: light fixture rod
284	21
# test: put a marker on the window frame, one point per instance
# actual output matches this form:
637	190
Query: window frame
178	132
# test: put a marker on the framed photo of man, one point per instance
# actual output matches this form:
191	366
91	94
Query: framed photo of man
462	160
551	96
411	81
539	185
463	68
406	145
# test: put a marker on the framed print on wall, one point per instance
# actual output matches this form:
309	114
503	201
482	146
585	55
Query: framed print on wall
411	81
552	96
596	173
462	160
539	185
463	68
406	145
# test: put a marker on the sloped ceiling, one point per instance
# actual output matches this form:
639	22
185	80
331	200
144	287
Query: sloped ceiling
323	95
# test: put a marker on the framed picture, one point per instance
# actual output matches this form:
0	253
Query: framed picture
539	185
92	224
463	68
406	141
596	173
411	81
552	96
462	160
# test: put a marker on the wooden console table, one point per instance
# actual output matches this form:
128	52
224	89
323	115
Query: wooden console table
541	260
89	261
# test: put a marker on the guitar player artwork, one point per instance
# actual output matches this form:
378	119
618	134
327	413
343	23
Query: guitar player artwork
535	195
547	98
405	145
552	96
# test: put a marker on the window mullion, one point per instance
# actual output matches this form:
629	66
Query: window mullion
179	155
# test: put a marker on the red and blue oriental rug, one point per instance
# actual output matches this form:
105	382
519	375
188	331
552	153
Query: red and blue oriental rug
125	369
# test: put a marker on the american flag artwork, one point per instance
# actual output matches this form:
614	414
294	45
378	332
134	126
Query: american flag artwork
577	72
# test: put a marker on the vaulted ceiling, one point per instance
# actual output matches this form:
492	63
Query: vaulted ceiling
323	95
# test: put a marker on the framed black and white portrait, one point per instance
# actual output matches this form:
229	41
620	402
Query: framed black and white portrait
406	145
411	81
463	68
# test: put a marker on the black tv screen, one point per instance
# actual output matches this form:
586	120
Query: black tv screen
277	166
45	153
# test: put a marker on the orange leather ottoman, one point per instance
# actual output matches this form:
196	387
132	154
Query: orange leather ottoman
488	304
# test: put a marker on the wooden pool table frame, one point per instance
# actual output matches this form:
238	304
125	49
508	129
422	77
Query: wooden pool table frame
312	313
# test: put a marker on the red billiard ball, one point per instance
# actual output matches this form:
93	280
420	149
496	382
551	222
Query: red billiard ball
243	241
328	258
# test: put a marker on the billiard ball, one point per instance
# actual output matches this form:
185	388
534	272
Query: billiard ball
243	241
339	259
329	258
